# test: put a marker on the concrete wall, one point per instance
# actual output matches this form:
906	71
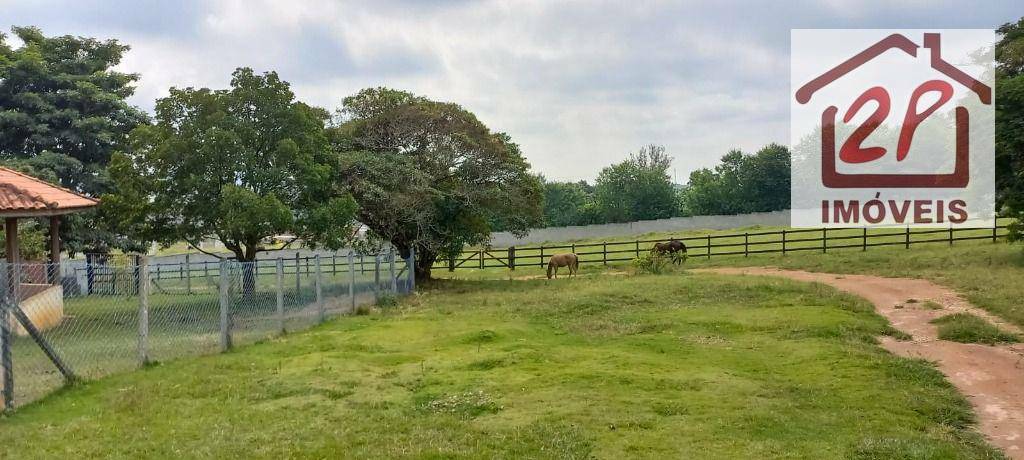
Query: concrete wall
540	235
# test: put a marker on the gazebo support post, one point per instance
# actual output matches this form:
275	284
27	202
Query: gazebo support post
54	271
11	235
11	239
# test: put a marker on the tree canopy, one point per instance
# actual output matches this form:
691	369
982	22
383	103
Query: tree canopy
430	176
1009	54
741	183
638	188
238	165
62	114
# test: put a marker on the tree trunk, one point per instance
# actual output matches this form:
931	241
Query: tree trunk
247	259
424	262
248	278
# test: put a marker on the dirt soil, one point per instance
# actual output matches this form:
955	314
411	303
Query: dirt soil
991	377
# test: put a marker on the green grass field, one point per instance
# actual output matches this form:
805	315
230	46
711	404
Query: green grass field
683	366
987	274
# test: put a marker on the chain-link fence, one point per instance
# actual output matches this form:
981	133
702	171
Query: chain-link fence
62	323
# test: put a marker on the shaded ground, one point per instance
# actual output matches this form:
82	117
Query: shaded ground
992	377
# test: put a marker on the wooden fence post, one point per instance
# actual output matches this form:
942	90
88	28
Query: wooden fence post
709	246
950	235
481	259
391	271
746	244
188	274
864	240
512	258
541	256
783	241
908	237
352	280
376	277
995	226
638	248
318	289
298	277
604	252
824	240
451	263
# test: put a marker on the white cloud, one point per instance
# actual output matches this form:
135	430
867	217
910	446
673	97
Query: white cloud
577	84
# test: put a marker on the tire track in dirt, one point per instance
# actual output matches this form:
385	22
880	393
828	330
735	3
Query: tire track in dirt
991	377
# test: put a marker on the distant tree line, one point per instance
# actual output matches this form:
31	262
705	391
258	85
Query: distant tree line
640	188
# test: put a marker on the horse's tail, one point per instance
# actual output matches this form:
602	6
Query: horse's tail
575	263
551	265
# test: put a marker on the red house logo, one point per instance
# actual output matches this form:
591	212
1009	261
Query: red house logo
854	150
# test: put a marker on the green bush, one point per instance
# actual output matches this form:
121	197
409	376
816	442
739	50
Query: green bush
652	263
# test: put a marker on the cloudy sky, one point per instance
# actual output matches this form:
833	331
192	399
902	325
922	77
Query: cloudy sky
577	84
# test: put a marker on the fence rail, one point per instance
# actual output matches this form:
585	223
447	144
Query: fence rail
733	244
64	323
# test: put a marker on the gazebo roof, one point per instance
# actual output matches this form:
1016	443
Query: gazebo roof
25	196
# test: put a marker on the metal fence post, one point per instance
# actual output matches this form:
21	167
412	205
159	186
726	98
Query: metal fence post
143	310
5	338
225	327
391	271
319	288
280	295
351	280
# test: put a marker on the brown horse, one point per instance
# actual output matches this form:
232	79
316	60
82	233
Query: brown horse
672	248
563	260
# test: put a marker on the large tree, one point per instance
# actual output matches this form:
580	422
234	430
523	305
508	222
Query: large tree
740	183
569	203
429	176
1009	54
62	113
638	188
238	165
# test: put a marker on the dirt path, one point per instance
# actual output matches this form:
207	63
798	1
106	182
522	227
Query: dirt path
991	377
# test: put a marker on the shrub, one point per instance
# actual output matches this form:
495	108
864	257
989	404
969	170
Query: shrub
387	300
652	263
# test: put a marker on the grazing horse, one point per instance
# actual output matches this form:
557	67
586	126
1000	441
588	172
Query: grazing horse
672	247
563	260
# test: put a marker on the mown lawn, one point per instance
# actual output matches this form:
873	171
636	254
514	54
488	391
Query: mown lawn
987	274
681	366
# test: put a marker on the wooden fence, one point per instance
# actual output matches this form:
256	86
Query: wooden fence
735	244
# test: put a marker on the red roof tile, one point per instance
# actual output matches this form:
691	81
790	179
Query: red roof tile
20	193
